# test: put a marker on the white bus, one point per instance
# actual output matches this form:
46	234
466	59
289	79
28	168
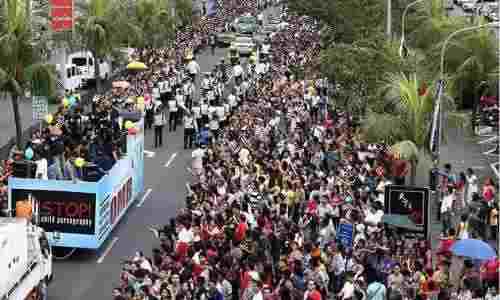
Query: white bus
85	62
69	78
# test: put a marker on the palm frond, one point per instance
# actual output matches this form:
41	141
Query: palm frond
406	150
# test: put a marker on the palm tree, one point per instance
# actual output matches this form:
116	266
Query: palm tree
429	24
154	23
183	12
472	61
407	127
19	65
99	25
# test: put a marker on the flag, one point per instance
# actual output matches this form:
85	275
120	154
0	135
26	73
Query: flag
434	141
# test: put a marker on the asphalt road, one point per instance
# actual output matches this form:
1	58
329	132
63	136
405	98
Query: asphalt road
82	276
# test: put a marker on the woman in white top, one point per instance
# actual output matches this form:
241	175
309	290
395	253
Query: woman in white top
472	185
159	122
172	118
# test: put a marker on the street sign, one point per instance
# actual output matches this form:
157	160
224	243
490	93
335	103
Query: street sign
345	232
40	107
409	201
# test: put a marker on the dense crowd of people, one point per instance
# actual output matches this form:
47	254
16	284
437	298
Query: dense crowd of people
276	171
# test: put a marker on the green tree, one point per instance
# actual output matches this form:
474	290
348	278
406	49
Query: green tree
472	62
99	26
407	126
359	68
20	67
428	25
154	22
183	12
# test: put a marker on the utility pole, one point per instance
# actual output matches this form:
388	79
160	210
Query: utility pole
388	28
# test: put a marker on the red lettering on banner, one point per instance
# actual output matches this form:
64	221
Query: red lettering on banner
61	12
66	209
71	210
121	200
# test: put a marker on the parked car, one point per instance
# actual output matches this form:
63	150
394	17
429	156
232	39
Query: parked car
468	5
244	45
246	24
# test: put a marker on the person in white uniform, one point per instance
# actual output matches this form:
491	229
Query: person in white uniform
172	114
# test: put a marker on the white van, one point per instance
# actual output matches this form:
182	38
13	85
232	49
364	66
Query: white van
85	62
69	77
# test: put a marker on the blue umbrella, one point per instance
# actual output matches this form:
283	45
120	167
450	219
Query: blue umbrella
472	248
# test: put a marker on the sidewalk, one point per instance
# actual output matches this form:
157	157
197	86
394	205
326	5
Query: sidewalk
462	151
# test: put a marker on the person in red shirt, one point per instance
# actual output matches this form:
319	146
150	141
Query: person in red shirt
490	271
399	171
241	230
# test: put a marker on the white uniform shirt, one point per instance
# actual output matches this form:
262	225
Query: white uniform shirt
197	156
180	100
189	122
211	110
237	71
172	106
156	93
220	112
166	87
196	112
193	67
204	109
232	100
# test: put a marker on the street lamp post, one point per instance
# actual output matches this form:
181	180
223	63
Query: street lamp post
402	44
438	115
388	28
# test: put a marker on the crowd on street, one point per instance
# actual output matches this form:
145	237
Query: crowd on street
276	172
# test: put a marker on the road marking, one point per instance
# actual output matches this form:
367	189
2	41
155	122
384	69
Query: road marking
490	152
477	167
149	154
494	166
170	160
108	249
488	140
146	194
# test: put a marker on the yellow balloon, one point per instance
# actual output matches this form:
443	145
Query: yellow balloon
129	124
140	100
49	118
66	102
79	162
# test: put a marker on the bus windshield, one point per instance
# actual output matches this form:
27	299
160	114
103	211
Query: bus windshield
79	61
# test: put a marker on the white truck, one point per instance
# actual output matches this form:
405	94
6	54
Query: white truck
25	260
85	62
69	77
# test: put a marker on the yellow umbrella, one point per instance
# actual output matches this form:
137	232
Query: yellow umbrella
136	65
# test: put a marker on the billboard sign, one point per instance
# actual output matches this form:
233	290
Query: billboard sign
409	201
67	212
61	13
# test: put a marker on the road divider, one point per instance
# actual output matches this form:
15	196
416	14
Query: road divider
108	249
149	154
146	195
170	160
